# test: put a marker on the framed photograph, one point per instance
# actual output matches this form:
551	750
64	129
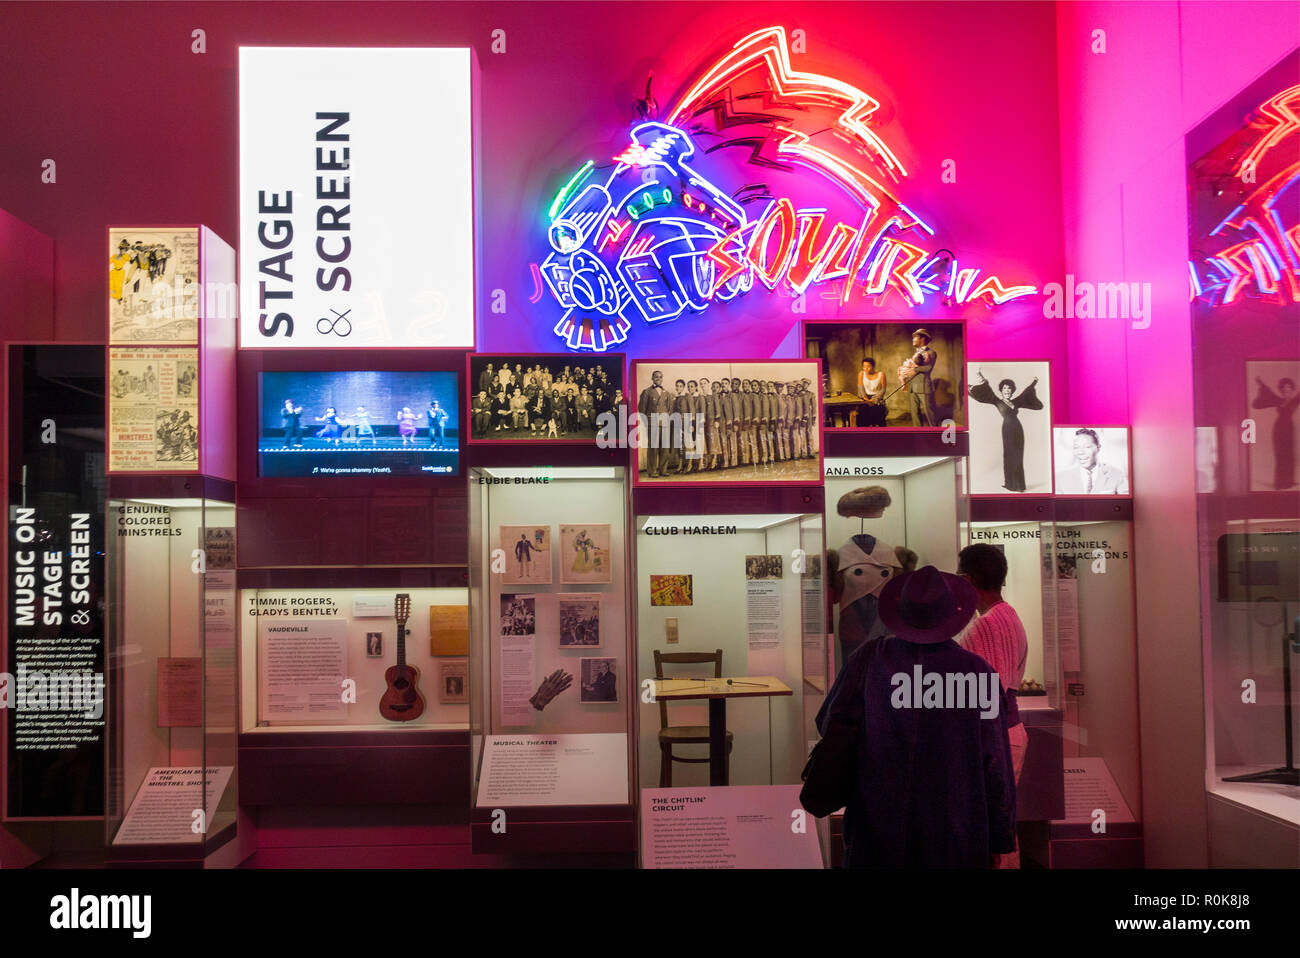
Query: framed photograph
374	645
1091	460
453	683
1271	398
584	553
599	680
528	555
726	422
763	567
554	397
671	590
153	285
889	374
518	614
580	622
1010	427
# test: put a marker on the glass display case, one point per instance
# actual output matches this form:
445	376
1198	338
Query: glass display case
172	779
1070	579
354	659
732	666
911	506
550	660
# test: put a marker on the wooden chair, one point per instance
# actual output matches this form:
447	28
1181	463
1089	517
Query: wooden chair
670	735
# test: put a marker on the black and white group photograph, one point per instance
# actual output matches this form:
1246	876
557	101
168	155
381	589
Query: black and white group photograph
555	398
729	422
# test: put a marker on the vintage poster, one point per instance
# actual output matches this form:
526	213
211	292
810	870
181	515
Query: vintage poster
153	410
180	692
584	554
579	621
453	683
528	555
153	286
670	590
448	630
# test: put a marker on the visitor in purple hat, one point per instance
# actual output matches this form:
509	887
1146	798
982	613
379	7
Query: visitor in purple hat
934	787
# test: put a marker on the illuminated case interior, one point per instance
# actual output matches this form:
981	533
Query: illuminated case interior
171	687
500	711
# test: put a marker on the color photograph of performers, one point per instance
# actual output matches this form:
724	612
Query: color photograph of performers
890	374
544	397
358	423
728	422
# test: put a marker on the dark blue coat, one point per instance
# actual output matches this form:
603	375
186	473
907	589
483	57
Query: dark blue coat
935	787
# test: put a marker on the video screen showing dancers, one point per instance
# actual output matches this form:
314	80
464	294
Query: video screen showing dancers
364	423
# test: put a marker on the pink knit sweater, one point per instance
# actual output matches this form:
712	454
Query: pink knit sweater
998	637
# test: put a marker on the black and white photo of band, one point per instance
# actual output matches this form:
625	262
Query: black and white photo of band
728	422
543	397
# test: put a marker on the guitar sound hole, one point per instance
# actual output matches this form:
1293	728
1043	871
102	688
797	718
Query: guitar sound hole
400	683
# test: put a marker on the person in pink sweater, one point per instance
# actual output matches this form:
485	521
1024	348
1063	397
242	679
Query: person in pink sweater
998	637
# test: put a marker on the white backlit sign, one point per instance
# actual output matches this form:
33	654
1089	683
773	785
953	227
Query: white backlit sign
356	211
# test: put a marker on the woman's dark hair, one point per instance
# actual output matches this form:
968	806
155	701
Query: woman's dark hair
868	359
985	564
1007	382
1090	433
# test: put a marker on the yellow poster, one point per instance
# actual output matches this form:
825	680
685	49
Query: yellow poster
448	630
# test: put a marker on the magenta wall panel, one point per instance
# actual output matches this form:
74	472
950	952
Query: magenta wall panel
970	83
27	277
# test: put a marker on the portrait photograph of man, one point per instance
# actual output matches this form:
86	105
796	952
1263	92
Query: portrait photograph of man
1091	460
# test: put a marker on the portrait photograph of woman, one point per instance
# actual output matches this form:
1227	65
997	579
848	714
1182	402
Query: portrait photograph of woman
1010	427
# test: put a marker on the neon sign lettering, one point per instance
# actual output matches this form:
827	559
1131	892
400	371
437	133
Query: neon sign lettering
1262	258
657	238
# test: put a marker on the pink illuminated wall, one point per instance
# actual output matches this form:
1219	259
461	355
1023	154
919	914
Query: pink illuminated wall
1124	114
971	83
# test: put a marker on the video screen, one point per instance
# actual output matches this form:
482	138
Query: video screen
361	423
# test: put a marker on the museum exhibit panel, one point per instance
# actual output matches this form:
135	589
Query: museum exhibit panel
550	682
172	782
732	664
1247	507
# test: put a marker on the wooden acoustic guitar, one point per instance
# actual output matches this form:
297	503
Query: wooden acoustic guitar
402	701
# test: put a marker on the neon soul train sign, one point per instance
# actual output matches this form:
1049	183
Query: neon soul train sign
657	238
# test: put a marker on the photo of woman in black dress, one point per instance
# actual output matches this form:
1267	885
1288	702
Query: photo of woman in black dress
1008	405
1284	401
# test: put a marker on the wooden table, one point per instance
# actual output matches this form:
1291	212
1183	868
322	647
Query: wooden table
838	405
717	691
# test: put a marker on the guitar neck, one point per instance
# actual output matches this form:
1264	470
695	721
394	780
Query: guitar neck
401	644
